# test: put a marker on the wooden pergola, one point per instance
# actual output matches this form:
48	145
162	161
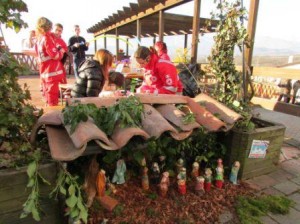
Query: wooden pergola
147	18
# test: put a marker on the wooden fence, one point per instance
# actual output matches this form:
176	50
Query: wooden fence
31	62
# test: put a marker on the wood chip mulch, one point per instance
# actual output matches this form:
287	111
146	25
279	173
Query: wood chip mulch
138	206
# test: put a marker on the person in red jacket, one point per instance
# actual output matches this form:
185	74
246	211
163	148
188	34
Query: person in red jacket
49	56
162	50
160	76
60	43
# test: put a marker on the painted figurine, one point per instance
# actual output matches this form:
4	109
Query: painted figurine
220	162
155	177
219	177
179	165
181	186
207	178
164	184
162	162
182	174
119	175
199	186
145	179
195	170
101	183
234	172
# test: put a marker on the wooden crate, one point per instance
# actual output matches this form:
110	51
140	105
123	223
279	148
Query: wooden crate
13	194
239	144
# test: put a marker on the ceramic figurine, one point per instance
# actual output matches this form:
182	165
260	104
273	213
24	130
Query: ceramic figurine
219	177
199	186
155	177
182	174
195	170
164	184
101	183
143	162
220	162
234	172
207	178
145	179
162	162
119	175
181	186
179	165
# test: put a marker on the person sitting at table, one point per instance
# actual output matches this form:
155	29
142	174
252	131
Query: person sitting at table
162	50
94	75
160	76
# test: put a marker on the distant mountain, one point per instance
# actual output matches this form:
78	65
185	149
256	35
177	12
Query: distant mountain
274	46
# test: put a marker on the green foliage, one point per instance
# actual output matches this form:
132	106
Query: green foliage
10	14
31	206
230	33
126	113
249	209
16	114
68	186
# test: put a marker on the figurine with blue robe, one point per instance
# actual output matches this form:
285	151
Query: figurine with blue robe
119	175
234	172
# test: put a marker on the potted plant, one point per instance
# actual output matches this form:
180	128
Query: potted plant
228	90
17	118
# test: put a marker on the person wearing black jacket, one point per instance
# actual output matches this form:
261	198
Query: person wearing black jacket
77	46
94	75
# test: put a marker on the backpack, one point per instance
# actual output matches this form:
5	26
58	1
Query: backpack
188	80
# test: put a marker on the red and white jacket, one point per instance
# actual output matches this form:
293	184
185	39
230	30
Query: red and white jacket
160	77
49	57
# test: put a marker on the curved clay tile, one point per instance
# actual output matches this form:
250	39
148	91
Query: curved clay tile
204	117
215	107
154	123
175	116
61	145
182	135
51	118
122	135
85	132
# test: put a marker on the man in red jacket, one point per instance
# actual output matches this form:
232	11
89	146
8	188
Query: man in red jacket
160	75
60	43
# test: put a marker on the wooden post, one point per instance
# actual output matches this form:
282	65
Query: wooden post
196	22
127	41
185	40
95	45
117	42
138	31
253	11
104	40
161	27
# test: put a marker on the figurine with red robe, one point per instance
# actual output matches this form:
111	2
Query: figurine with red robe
199	186
207	178
195	170
164	184
219	177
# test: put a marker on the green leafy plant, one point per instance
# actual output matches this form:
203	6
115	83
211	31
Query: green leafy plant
67	185
16	114
127	112
230	33
31	206
249	209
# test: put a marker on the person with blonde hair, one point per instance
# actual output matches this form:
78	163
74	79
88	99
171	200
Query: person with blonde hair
48	57
93	75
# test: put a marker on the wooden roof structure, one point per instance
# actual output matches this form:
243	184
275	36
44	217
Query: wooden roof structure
151	20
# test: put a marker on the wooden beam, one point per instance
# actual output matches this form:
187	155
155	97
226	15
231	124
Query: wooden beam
167	5
196	27
138	30
117	42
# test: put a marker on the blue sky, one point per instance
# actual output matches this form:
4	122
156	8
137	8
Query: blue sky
276	18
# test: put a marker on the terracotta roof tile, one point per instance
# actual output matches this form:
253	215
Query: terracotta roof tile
160	115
